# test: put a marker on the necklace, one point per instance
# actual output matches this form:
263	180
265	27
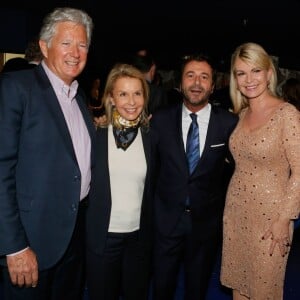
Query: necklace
121	123
125	131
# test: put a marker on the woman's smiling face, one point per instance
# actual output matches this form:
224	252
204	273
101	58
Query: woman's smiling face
128	97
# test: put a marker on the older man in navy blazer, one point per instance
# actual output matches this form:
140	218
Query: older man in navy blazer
46	135
189	204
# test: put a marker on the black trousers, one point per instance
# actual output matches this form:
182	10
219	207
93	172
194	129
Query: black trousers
183	248
64	281
122	270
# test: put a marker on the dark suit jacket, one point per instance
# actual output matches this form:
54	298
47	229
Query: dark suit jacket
158	98
205	187
99	208
39	174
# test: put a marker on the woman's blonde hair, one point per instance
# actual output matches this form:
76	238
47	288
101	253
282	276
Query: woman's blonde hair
254	54
120	71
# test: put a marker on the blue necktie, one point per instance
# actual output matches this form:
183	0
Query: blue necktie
192	144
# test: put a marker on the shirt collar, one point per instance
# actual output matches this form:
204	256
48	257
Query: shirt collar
201	113
59	85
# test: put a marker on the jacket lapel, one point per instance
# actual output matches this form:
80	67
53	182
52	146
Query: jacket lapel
88	121
49	98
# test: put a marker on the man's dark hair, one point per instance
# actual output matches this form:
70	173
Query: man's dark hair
200	57
15	64
33	51
142	63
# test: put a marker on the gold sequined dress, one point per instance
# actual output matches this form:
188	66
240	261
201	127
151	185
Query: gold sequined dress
260	188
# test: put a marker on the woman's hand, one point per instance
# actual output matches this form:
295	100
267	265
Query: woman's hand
100	121
279	234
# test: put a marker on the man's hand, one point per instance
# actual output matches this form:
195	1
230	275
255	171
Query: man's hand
23	268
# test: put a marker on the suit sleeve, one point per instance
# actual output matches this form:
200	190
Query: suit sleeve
12	101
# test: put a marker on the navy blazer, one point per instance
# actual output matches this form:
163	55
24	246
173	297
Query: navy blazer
40	179
99	208
206	186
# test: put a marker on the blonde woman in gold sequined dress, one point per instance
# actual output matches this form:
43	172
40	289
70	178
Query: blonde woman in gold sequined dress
264	193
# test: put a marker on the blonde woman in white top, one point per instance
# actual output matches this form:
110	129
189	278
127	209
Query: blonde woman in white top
119	213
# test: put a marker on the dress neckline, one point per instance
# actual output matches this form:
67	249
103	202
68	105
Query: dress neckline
270	117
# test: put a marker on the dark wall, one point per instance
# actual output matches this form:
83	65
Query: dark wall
169	30
16	28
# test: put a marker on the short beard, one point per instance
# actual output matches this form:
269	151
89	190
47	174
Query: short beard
197	103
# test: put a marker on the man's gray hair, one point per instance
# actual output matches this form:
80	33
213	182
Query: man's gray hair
65	14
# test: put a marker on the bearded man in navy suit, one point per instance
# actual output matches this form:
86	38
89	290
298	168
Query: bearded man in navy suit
188	206
46	135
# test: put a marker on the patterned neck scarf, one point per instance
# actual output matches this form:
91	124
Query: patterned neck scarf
124	131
